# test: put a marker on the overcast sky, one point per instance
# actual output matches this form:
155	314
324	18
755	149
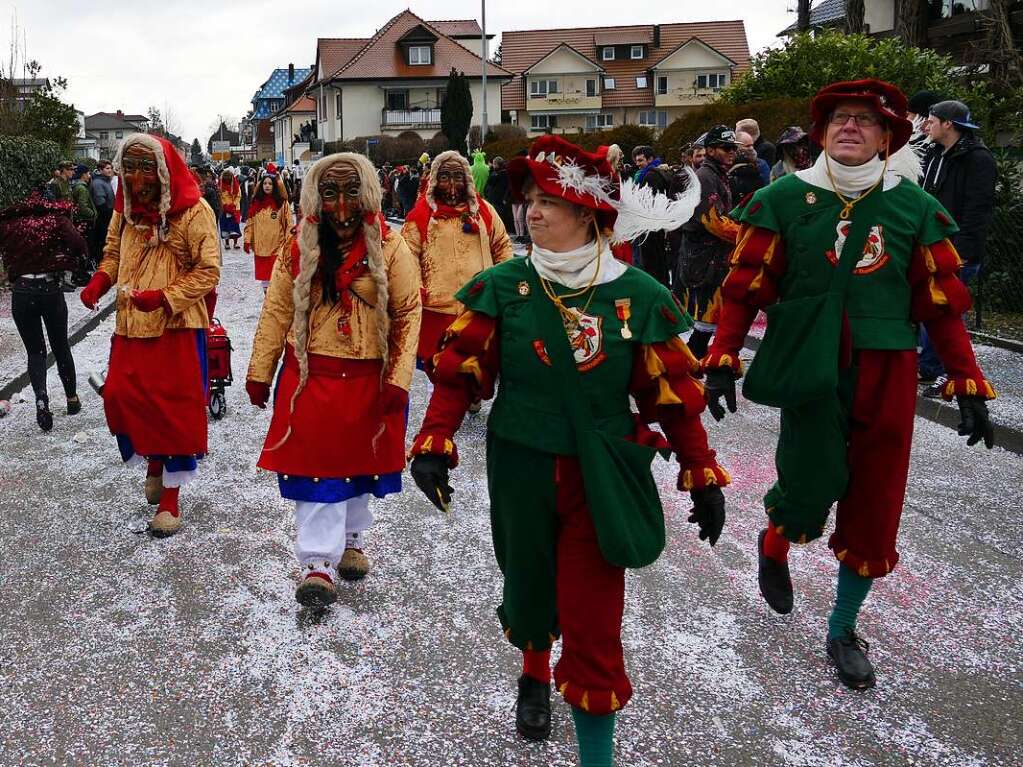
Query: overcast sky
199	58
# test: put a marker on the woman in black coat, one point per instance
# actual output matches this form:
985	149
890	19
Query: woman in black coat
496	192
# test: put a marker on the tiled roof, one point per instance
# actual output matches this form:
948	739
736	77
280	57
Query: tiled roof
275	85
107	121
521	49
334	52
457	27
382	57
304	104
825	13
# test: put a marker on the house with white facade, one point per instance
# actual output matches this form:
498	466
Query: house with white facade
591	78
395	81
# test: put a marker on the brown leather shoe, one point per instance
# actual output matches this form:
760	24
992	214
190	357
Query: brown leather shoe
165	524
316	589
354	565
154	487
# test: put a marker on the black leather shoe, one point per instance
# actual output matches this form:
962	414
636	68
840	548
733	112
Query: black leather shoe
774	580
849	654
533	709
74	406
43	415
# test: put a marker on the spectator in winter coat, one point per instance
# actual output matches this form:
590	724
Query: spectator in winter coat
793	151
496	192
102	192
960	171
408	188
59	186
765	149
651	255
749	172
918	110
85	209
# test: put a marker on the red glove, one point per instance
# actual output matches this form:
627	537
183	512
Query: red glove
259	393
147	300
97	287
393	399
248	248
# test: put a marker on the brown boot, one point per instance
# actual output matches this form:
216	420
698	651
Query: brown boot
354	565
168	517
317	587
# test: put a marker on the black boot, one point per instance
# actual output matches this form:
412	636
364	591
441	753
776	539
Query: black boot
43	415
74	405
849	654
533	709
698	342
774	580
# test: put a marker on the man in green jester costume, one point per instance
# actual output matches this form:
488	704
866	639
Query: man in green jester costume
572	332
839	355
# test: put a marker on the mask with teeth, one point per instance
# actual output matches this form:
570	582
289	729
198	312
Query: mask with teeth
340	192
452	188
141	176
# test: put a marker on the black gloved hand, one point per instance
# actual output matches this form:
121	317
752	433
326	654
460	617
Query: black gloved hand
430	473
975	423
708	512
720	383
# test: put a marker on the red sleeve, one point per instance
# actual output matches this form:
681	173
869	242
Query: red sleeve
463	371
665	388
939	299
757	264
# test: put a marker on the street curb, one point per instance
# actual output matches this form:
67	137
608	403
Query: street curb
945	414
77	332
1002	343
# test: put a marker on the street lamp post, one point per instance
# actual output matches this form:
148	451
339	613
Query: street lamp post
483	121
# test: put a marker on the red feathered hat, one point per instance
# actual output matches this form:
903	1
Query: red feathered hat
884	97
562	169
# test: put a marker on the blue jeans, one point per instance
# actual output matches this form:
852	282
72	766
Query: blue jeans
929	366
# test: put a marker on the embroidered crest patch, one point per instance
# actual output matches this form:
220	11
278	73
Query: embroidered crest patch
874	254
585	337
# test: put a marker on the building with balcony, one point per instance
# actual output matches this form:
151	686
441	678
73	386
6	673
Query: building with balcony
592	78
395	81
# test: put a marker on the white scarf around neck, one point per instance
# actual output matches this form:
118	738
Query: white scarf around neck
851	180
574	268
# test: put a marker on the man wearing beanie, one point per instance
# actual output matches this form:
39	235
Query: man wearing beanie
960	171
845	257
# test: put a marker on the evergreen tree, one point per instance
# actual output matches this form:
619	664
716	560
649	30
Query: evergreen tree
196	152
456	113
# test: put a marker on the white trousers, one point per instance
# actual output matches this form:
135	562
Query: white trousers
324	530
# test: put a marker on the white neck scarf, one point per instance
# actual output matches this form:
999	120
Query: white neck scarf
850	180
574	268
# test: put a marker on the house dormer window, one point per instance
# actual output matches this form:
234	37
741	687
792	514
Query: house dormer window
608	53
636	52
420	55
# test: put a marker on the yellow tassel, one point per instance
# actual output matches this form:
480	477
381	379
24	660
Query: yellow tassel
780	528
709	478
864	571
564	686
584	701
615	705
971	387
665	394
841	555
449	447
471	366
427	445
687	480
887	567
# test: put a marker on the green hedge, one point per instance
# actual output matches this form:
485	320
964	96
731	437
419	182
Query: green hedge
773	115
26	163
626	136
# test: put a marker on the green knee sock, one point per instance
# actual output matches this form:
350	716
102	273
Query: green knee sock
595	735
852	590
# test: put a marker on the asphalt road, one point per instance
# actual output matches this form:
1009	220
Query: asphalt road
118	649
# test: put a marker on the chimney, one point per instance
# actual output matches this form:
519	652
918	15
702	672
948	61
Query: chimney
291	74
657	36
120	115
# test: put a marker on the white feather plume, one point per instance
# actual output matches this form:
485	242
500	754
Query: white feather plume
907	163
641	210
573	176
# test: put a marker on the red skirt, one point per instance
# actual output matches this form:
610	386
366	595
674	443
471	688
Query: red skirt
155	392
430	332
264	267
338	428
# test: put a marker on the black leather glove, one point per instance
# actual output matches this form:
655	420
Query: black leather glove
708	512
975	423
720	383
430	473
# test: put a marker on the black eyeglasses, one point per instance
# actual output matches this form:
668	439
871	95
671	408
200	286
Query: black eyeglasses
146	166
863	119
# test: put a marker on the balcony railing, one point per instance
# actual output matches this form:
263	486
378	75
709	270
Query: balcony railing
410	118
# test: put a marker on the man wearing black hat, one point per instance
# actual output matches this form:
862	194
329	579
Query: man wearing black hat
960	171
703	262
918	109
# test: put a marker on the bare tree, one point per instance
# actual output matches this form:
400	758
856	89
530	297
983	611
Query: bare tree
998	48
803	15
911	22
854	12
